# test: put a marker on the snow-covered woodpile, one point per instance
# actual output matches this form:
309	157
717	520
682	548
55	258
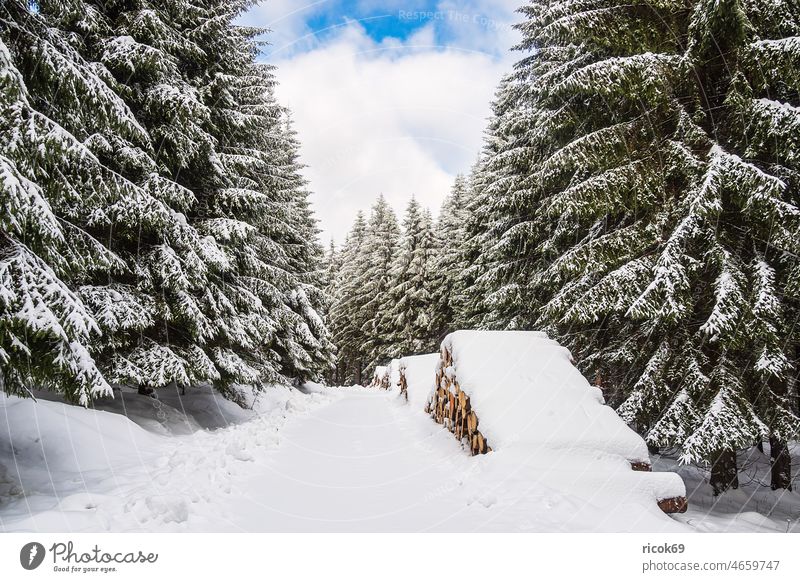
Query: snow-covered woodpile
403	385
381	378
450	406
415	378
504	390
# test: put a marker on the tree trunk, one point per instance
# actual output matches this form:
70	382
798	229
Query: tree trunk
358	373
147	391
724	472
760	446
653	449
793	390
781	464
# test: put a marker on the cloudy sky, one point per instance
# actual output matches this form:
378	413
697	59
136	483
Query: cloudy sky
388	96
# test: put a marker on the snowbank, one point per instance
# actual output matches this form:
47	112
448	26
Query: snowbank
518	393
45	439
418	374
174	412
67	468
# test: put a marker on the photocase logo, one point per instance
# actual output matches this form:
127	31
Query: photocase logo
67	558
31	555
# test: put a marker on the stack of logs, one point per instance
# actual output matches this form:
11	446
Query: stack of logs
381	377
403	382
450	406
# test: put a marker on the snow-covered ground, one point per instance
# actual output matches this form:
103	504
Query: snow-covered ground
335	459
162	468
754	507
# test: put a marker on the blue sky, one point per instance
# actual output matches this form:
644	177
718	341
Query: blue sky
389	96
382	20
379	22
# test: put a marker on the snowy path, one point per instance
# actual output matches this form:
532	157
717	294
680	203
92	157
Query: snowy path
360	463
341	459
367	462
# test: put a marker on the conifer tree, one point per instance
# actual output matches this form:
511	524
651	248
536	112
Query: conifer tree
331	266
61	198
311	353
654	227
347	305
381	245
496	232
406	317
447	267
184	232
243	203
260	299
333	263
152	314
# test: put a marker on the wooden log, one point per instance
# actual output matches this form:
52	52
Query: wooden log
403	382
447	358
674	505
641	466
472	422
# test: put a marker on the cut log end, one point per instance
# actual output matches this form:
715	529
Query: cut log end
641	466
450	406
674	505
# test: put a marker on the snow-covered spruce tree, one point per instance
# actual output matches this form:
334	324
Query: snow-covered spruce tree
347	313
248	196
258	152
240	202
447	267
60	197
333	263
467	300
497	238
331	267
591	202
739	225
380	251
672	231
307	351
151	313
233	294
406	313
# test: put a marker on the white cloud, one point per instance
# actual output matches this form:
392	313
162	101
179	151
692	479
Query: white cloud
286	20
395	117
